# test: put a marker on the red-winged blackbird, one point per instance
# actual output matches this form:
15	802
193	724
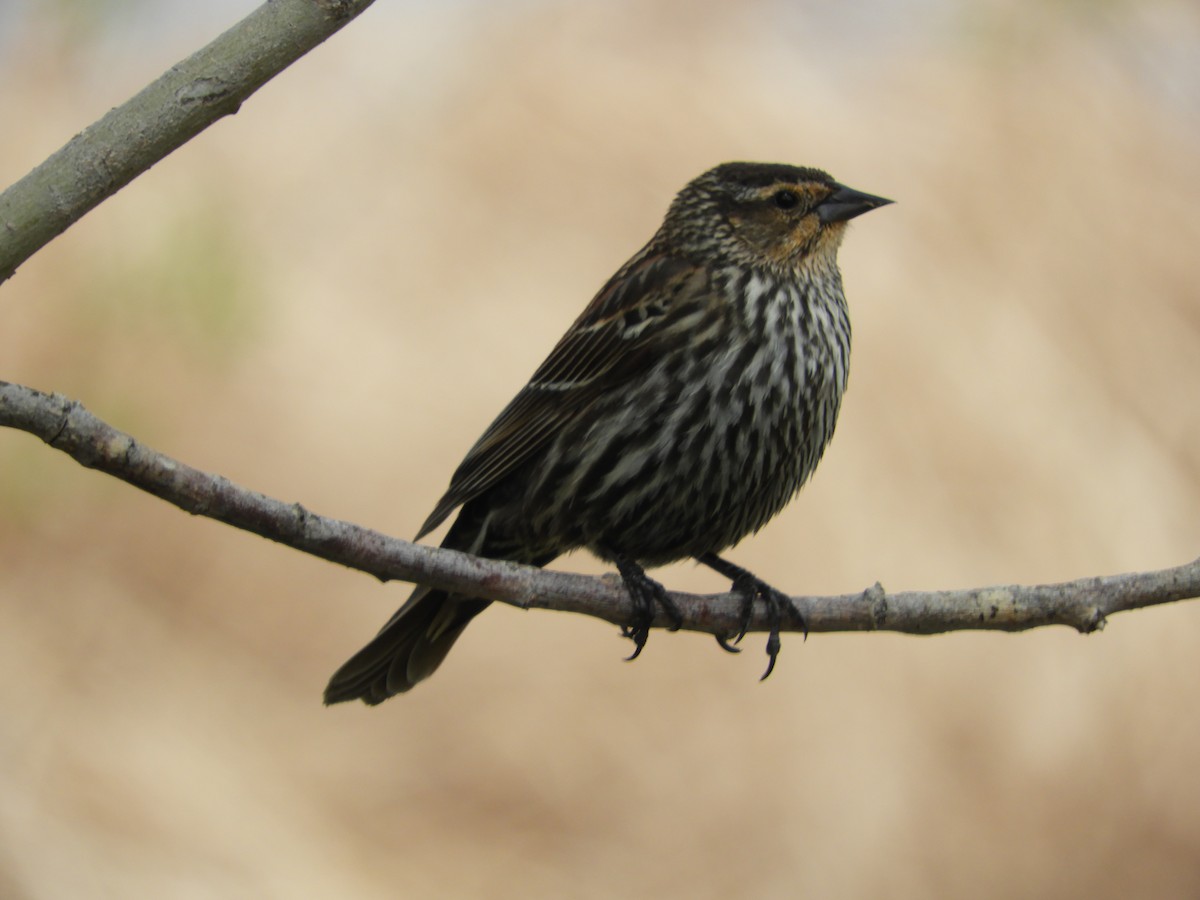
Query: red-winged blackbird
683	409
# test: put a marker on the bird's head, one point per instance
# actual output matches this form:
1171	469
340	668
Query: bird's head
765	215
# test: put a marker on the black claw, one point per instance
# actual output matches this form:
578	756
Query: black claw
644	594
751	588
749	591
639	641
774	644
724	644
638	629
785	604
773	647
670	607
796	615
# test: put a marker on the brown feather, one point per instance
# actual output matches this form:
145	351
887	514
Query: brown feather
606	346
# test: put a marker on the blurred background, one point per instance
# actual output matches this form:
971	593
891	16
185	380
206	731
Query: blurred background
329	295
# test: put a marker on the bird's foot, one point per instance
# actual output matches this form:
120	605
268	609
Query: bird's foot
750	587
646	595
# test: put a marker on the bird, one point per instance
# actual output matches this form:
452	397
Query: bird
682	410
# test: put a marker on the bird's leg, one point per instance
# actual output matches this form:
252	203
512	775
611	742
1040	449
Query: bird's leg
750	587
744	586
644	593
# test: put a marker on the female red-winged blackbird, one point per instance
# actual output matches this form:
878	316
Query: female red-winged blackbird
681	411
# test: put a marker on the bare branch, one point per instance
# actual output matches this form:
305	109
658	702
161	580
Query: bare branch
65	425
186	99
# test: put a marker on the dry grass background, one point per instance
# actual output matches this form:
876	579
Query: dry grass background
328	296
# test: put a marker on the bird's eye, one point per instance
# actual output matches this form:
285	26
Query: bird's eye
785	199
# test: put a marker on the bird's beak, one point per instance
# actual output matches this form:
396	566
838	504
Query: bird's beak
846	203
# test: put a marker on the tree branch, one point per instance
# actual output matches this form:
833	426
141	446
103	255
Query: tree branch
186	99
65	425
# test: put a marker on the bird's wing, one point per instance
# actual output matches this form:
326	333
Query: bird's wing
615	339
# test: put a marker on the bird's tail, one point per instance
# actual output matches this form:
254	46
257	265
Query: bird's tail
407	649
417	638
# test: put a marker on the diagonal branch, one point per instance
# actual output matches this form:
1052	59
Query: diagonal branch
186	99
65	425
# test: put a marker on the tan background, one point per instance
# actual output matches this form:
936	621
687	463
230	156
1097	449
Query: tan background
329	295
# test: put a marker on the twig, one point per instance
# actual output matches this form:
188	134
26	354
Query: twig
186	99
65	425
